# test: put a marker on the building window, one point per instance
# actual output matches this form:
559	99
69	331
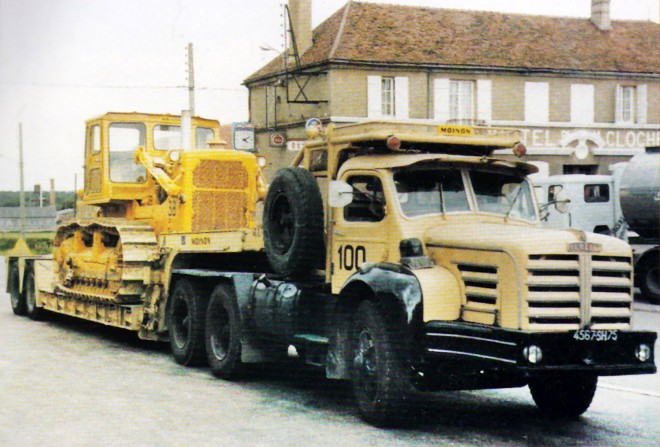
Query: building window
631	104
627	108
580	169
388	105
537	102
582	103
387	96
461	100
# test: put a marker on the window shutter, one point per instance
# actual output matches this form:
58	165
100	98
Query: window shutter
401	97
441	100
537	102
582	103
484	100
641	103
374	99
619	104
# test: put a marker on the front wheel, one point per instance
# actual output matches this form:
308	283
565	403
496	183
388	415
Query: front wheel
17	299
563	395
649	279
381	386
186	323
223	344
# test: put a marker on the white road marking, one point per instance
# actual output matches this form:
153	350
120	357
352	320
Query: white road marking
629	390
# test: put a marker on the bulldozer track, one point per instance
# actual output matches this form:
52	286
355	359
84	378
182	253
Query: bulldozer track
125	274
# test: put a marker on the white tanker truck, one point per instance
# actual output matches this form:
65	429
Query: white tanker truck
625	204
639	195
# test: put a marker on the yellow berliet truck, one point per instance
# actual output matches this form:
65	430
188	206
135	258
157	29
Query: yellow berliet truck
402	257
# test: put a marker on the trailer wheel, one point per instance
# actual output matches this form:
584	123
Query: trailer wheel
186	321
223	343
563	395
649	278
17	299
293	222
29	291
381	386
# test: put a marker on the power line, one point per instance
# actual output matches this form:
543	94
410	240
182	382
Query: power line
135	87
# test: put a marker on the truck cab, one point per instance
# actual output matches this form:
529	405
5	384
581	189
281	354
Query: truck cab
593	203
433	249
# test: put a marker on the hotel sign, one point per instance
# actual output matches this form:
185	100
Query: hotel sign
602	138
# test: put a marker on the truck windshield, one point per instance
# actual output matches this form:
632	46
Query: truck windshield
422	192
499	193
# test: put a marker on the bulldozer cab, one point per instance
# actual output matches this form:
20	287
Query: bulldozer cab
113	173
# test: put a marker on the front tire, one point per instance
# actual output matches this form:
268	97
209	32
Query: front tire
381	387
649	279
16	297
563	395
223	343
186	322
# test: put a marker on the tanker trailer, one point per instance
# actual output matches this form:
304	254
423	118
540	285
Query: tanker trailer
640	204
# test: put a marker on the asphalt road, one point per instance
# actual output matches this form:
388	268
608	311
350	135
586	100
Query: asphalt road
65	382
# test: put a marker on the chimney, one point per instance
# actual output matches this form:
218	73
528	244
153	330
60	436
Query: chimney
301	23
600	14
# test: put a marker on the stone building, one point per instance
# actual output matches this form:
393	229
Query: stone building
36	218
585	92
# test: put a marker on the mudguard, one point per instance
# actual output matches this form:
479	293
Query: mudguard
397	293
394	283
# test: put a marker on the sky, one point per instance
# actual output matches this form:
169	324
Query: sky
65	61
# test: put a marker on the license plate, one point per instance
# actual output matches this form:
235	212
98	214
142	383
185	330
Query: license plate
596	335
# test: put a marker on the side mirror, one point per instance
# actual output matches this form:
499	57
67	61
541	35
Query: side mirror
340	194
562	201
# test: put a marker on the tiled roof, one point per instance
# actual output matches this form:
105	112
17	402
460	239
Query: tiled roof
407	35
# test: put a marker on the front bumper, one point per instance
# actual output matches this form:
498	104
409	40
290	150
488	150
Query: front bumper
471	348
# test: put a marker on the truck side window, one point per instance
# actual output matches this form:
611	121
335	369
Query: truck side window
368	200
95	139
596	193
125	138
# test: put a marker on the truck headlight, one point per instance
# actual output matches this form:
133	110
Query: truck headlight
643	352
533	354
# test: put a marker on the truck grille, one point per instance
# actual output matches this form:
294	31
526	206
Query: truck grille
480	283
556	284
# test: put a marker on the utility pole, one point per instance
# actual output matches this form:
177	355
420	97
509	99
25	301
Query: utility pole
191	80
21	194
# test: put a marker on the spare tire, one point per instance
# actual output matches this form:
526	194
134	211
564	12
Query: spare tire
293	223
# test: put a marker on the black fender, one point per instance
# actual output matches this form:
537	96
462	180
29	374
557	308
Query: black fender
397	293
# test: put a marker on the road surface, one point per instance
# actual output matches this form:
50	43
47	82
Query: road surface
65	382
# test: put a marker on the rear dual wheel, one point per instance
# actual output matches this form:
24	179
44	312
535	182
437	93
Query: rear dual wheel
186	322
223	344
29	291
13	287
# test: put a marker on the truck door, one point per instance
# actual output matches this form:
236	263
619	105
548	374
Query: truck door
359	233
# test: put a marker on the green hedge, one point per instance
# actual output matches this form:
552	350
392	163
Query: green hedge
39	244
